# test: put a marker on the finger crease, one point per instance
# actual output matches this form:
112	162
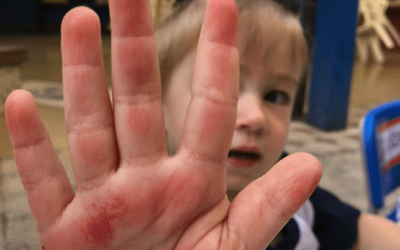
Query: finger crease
196	156
87	127
138	99
81	66
133	37
31	144
272	203
224	101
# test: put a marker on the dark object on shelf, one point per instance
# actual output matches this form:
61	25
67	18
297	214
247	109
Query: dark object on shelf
12	55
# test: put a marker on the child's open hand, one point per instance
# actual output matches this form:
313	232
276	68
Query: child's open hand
130	193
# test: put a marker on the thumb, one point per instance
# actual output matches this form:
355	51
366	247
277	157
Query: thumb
260	211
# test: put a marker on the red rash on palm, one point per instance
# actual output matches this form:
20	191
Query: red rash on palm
139	121
98	228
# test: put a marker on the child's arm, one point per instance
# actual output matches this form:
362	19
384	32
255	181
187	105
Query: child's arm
376	233
130	193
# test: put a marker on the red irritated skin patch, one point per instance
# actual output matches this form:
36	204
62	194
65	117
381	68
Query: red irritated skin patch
98	227
139	121
142	67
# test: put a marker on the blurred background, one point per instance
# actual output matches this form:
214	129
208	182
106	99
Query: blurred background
353	68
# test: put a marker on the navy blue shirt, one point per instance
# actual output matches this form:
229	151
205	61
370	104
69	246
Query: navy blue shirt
324	222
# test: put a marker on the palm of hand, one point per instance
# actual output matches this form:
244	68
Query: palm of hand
130	193
132	205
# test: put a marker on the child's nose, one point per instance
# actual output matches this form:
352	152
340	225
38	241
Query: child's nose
250	115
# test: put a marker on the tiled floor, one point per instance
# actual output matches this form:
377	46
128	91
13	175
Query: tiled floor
339	152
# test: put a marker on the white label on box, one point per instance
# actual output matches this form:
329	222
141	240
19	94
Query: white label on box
389	144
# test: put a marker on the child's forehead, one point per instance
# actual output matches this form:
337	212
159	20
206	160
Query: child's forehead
265	31
263	28
278	49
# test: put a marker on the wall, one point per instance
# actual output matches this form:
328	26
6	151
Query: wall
19	11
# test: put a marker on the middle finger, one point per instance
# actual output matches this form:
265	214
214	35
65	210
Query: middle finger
136	82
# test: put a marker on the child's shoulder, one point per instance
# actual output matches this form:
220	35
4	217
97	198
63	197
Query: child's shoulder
323	222
335	223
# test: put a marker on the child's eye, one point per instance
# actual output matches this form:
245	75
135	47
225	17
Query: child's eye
277	97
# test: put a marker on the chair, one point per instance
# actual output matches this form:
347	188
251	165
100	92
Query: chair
380	141
376	28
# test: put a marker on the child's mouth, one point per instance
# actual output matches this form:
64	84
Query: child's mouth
243	159
244	155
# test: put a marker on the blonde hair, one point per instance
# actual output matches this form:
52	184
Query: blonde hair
262	25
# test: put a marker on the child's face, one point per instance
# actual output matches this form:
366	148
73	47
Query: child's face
267	92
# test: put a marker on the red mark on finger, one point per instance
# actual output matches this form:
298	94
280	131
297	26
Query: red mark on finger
221	21
139	121
137	60
92	149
